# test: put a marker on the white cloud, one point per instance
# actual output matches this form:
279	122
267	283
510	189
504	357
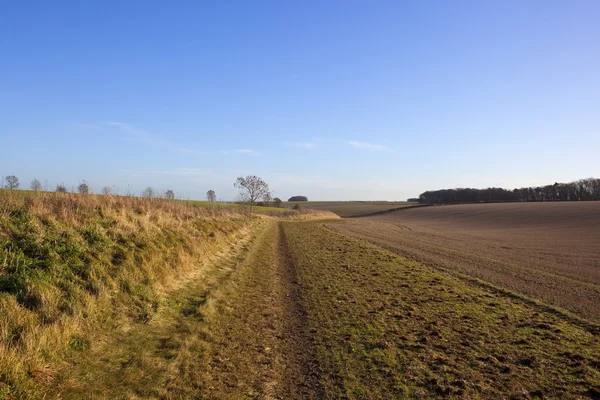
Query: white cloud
241	151
311	144
369	146
193	152
132	132
197	172
246	151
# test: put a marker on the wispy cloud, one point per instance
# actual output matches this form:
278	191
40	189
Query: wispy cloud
241	151
369	146
168	172
310	144
128	131
132	132
193	152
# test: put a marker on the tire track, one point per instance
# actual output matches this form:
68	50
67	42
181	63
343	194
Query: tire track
301	376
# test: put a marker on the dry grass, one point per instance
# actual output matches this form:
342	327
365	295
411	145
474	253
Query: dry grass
72	266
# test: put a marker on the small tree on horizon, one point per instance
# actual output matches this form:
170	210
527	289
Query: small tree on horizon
12	182
267	199
61	188
277	202
148	192
212	197
83	188
251	189
169	194
36	186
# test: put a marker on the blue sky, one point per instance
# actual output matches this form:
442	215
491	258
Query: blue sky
335	100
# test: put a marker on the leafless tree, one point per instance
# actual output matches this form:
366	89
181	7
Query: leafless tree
36	186
267	199
61	188
83	188
251	189
169	194
148	192
106	190
12	182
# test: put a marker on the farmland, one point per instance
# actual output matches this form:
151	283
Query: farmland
115	298
549	251
303	312
347	209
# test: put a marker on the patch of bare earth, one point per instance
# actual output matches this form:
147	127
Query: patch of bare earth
549	251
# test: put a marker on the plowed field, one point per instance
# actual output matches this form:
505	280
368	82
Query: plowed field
548	251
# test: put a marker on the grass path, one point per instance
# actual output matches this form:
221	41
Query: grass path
235	332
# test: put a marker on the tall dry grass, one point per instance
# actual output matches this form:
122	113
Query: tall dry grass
75	267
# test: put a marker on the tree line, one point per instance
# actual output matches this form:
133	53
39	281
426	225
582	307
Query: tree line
253	190
581	190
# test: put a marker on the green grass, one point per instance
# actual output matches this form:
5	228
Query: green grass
347	209
386	327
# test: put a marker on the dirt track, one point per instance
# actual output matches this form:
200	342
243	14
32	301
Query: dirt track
549	251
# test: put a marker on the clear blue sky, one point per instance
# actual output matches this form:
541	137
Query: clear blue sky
335	100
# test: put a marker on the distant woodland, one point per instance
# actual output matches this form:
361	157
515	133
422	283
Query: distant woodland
581	190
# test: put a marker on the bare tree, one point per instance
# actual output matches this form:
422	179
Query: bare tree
83	188
277	202
12	182
106	190
148	192
251	189
61	188
169	194
36	186
267	199
211	196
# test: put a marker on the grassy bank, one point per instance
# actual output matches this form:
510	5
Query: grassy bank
387	327
74	268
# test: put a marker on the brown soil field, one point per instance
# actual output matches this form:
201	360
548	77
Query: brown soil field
548	251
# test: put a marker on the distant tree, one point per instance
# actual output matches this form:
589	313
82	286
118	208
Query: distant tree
413	200
296	207
277	202
61	188
169	194
298	198
584	189
211	196
83	188
251	189
106	190
267	199
12	182
148	192
36	186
